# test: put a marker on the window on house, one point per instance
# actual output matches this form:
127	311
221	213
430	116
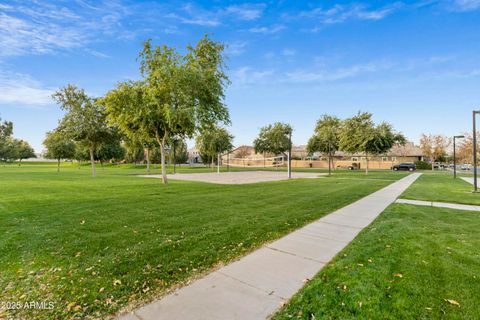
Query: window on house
394	158
354	159
384	158
363	158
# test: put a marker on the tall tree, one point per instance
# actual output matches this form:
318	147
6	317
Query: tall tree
6	140
434	146
58	147
25	150
178	152
213	142
111	151
274	138
124	104
359	134
180	94
85	119
326	138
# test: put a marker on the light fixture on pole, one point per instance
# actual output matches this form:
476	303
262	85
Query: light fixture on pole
475	185
454	156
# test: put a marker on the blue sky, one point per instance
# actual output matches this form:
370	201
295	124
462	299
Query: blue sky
415	64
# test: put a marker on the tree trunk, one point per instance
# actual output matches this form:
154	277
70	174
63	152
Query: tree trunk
161	143
58	165
92	161
329	164
162	159
147	151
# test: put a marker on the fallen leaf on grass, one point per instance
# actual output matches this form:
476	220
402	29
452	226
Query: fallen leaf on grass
398	275
117	282
70	306
101	290
83	222
452	302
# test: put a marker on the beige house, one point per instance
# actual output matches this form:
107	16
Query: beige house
245	156
398	154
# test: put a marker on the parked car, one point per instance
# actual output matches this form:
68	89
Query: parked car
404	166
466	166
439	165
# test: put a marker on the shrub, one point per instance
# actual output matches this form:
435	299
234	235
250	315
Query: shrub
422	165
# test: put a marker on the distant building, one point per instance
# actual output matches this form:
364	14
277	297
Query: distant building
194	156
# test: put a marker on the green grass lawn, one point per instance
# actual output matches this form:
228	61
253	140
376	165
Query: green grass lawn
96	245
407	265
442	187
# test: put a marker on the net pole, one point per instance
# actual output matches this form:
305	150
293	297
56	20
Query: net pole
218	163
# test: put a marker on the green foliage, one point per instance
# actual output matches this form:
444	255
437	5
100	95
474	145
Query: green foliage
25	151
212	142
6	130
181	152
422	165
85	119
326	136
135	152
178	96
10	148
274	138
59	146
112	151
360	134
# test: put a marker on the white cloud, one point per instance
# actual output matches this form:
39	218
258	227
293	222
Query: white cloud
267	30
198	20
341	13
45	28
246	12
466	5
17	88
289	52
247	76
235	48
335	74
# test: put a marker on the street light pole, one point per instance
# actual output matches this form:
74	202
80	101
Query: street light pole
455	157
290	155
474	113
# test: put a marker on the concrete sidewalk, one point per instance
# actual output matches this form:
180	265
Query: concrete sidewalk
469	180
255	286
456	206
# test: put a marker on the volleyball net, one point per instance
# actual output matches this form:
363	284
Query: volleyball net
272	162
